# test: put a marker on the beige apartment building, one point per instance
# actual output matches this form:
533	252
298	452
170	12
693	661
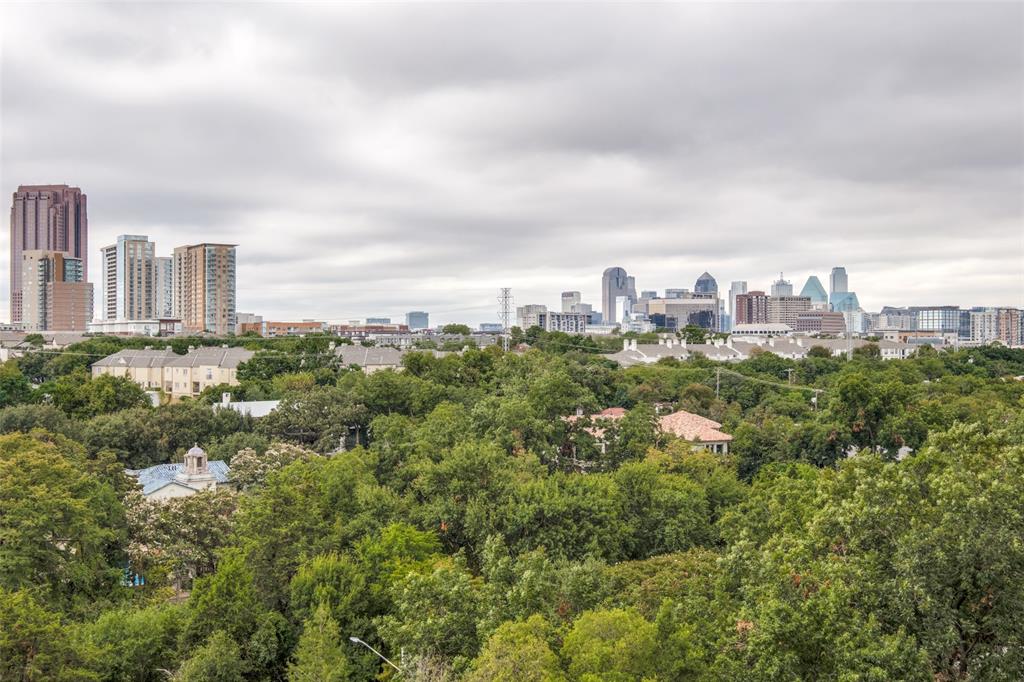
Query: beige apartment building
179	376
204	288
53	294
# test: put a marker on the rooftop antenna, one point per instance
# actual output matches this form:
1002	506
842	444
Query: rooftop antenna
505	314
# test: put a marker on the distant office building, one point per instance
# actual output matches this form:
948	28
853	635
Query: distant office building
53	294
784	309
895	319
735	289
46	218
163	291
943	318
584	308
417	319
844	302
814	290
274	329
491	327
570	299
248	322
631	288
529	315
781	287
129	279
570	323
204	287
378	320
677	293
706	284
647	295
677	313
820	322
838	283
614	283
751	308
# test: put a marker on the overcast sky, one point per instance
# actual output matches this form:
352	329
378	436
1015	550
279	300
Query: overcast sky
375	159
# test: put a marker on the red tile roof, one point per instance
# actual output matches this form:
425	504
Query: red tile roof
693	428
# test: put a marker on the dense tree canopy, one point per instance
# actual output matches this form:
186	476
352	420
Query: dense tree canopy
865	525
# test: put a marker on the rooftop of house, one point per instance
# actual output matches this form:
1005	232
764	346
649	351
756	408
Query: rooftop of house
216	356
693	427
131	357
155	477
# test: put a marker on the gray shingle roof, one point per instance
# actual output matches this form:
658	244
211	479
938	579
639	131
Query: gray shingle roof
226	358
156	477
137	358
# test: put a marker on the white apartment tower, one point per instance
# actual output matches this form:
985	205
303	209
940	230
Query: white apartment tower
129	279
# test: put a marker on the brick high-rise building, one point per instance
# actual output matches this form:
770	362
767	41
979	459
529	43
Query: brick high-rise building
53	295
204	287
46	218
751	308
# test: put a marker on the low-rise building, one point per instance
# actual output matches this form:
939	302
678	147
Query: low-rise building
819	322
570	323
178	376
195	474
154	327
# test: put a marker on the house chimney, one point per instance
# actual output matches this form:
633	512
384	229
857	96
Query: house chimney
225	399
625	344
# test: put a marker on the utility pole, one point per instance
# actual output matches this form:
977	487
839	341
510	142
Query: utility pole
789	374
505	315
718	380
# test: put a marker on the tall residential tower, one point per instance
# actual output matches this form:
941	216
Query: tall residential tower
46	218
129	279
204	287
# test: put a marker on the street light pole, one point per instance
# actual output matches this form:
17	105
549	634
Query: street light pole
356	640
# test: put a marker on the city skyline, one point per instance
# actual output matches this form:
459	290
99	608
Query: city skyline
426	179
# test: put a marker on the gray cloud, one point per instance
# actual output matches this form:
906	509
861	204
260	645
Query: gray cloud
373	159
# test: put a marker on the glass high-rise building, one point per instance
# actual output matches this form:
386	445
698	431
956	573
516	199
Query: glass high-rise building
417	319
706	284
814	290
614	283
838	282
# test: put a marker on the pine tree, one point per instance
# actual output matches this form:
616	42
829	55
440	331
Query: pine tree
319	656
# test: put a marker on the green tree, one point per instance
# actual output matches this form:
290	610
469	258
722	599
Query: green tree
14	386
616	645
693	334
456	329
218	660
33	645
435	613
320	656
82	397
225	602
61	527
136	644
518	652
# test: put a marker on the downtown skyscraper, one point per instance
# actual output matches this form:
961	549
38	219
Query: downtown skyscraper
51	218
